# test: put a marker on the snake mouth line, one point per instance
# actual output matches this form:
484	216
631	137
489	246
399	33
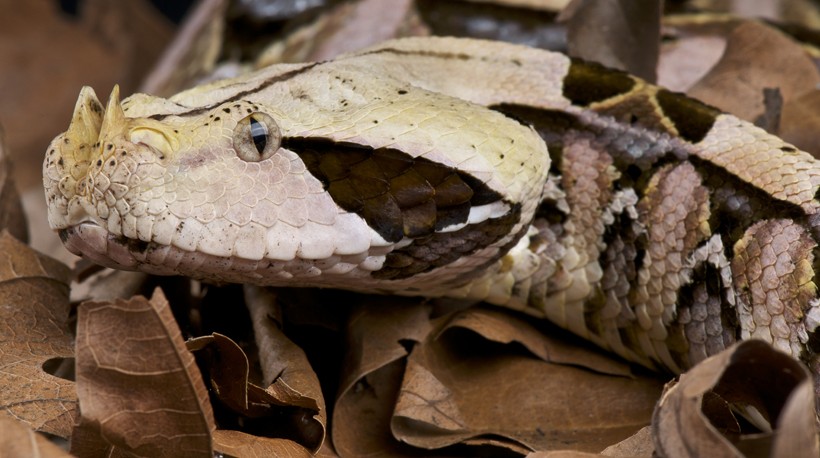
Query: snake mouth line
93	242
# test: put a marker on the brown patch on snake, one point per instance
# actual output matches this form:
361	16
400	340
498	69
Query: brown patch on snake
442	248
692	118
638	108
396	194
589	82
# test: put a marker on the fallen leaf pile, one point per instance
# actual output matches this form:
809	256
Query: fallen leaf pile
117	364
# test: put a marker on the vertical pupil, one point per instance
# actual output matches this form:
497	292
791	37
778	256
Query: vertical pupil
259	134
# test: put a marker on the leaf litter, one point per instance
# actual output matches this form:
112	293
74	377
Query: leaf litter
324	373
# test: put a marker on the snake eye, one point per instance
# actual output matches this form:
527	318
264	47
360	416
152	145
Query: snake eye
256	137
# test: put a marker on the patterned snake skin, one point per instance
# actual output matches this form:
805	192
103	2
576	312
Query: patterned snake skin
638	218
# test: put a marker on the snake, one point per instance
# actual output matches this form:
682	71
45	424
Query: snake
645	221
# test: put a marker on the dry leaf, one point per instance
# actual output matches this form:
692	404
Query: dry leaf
372	372
800	123
249	406
501	326
755	59
460	386
698	416
638	445
622	34
287	374
33	332
17	440
12	217
562	454
687	61
139	387
240	445
226	370
361	419
345	27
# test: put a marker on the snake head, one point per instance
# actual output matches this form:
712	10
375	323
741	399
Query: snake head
154	190
279	180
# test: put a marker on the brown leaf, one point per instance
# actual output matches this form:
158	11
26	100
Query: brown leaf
361	418
139	387
623	34
800	123
226	371
698	415
287	374
346	27
17	440
459	386
501	326
685	60
12	217
33	332
372	373
562	454
638	445
240	445
755	58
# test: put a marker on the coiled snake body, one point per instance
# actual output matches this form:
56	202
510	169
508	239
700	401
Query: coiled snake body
638	218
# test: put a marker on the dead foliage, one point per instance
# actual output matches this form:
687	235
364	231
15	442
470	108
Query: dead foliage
142	366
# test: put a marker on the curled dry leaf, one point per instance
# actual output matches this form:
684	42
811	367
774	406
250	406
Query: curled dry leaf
247	405
140	390
698	416
500	326
458	386
372	373
286	371
34	332
18	440
755	58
